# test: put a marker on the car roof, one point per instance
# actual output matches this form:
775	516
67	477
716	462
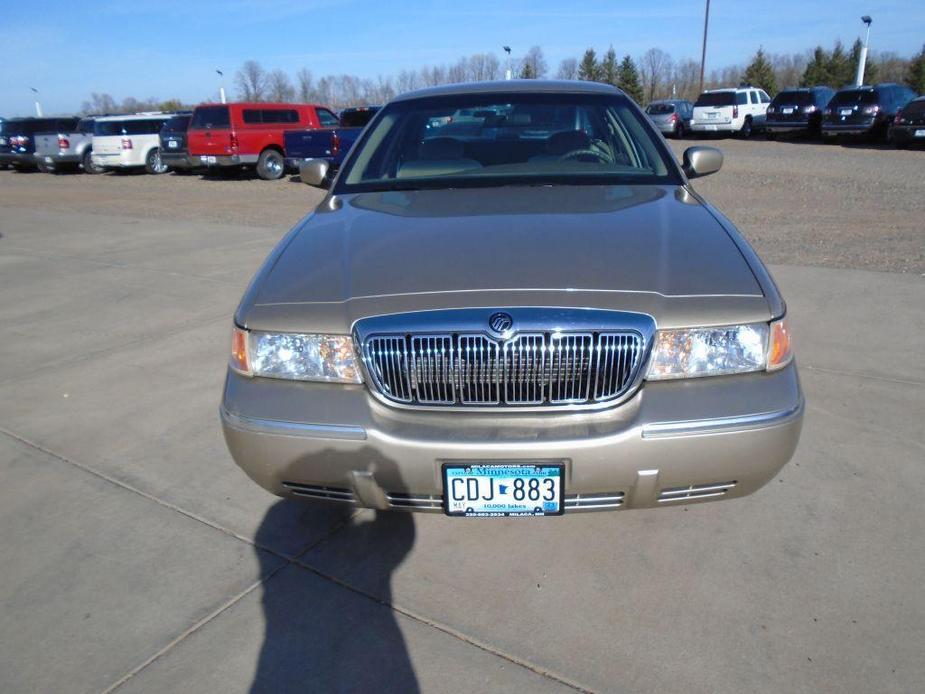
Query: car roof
512	86
137	116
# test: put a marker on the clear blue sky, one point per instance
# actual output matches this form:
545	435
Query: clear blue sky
170	48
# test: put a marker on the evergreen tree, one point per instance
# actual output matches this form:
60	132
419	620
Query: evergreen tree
609	70
629	80
588	69
760	73
915	72
527	72
817	70
840	72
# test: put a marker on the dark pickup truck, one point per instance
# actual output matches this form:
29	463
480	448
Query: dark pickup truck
330	143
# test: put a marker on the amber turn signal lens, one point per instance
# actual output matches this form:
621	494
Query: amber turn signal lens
239	361
780	348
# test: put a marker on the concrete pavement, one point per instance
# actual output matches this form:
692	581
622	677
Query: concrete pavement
136	555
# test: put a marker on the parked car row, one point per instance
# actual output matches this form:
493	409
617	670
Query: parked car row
883	111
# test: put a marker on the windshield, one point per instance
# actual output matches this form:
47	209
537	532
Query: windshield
850	97
716	99
211	117
660	109
502	139
794	98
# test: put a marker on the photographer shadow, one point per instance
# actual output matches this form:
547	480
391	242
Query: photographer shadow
321	636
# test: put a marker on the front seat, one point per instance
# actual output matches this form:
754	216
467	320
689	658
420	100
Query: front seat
563	142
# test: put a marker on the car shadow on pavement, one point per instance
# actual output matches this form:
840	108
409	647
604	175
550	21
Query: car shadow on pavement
322	635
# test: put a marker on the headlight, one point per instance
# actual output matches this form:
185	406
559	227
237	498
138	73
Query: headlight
692	352
295	356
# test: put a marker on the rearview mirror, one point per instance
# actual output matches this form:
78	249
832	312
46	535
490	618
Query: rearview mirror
701	161
314	172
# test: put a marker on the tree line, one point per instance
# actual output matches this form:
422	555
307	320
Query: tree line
653	75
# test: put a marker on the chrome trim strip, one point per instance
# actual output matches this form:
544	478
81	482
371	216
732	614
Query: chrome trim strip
698	427
298	429
692	497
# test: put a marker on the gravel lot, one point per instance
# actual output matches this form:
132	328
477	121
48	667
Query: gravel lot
799	203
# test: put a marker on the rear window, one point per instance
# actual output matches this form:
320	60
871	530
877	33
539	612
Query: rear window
716	99
794	98
358	118
31	126
850	97
660	109
85	126
915	108
127	127
177	124
211	117
271	115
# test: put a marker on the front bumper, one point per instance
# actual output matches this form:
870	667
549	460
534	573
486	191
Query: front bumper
221	160
673	442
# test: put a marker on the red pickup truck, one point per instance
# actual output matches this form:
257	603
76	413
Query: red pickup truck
249	134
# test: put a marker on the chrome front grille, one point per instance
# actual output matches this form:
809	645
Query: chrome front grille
528	369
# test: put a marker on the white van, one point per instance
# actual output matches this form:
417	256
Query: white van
126	142
741	110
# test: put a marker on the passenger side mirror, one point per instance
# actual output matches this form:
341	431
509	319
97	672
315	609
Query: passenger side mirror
314	172
701	161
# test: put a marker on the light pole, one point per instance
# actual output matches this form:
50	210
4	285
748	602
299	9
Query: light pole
703	53
38	106
509	73
221	88
862	57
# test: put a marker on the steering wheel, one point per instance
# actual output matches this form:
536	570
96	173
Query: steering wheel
576	153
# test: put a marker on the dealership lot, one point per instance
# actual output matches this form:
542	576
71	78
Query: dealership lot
139	556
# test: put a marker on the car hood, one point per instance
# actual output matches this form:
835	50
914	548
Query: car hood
655	249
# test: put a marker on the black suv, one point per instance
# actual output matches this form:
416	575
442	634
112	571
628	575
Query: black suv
909	125
174	147
798	110
17	141
866	110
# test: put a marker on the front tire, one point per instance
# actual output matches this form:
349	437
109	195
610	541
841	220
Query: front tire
153	163
270	165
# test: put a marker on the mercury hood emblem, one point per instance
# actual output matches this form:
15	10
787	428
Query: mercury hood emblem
500	322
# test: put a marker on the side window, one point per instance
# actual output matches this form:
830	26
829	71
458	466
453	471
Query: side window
326	118
741	98
252	116
753	97
765	99
290	115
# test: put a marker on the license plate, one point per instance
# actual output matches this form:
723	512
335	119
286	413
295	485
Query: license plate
208	160
3	141
920	133
492	490
846	111
48	160
712	115
172	144
786	111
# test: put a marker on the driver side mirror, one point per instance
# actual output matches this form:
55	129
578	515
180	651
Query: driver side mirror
314	172
701	161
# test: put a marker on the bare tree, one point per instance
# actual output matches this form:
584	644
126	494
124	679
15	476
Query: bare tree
279	88
654	67
483	66
568	69
533	65
251	81
306	85
685	80
406	81
432	76
789	69
458	71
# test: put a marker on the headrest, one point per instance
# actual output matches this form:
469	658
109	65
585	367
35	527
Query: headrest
567	141
439	148
521	119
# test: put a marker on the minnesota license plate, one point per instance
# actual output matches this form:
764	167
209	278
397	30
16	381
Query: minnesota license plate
491	490
208	160
787	111
920	133
173	144
846	111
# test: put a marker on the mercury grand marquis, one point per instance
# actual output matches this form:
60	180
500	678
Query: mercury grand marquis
511	301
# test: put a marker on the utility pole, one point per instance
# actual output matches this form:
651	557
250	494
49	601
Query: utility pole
862	57
38	106
221	88
509	73
703	54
